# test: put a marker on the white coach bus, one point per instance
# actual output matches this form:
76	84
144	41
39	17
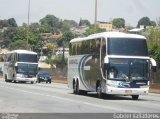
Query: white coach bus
21	66
110	63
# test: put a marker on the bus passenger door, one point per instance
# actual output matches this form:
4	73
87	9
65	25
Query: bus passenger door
103	66
91	65
11	67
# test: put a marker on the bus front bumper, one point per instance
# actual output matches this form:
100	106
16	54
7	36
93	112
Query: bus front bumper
127	91
26	79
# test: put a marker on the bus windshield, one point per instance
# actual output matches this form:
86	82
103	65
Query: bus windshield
27	68
27	58
128	69
127	46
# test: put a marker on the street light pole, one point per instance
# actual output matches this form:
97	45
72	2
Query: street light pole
95	17
28	24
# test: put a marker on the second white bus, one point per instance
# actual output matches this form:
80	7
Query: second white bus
21	66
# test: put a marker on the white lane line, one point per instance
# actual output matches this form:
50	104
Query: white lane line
69	100
35	86
60	86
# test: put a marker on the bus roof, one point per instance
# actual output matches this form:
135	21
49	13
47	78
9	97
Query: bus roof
109	35
23	52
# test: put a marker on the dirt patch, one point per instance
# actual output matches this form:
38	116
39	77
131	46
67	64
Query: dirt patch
154	88
59	80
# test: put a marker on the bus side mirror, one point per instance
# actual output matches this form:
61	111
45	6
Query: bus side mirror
16	67
11	64
153	64
106	65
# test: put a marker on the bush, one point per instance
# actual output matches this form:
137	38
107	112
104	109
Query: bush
59	61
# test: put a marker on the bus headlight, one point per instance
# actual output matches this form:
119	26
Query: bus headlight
20	75
112	84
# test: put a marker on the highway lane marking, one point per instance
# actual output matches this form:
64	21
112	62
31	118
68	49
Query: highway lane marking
69	100
38	88
59	86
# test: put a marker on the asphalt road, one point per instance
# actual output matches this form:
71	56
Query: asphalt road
58	98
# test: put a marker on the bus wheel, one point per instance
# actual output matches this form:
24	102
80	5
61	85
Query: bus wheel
99	90
32	82
6	78
74	87
39	81
77	87
135	97
79	92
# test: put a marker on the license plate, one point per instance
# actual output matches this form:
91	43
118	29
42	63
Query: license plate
128	91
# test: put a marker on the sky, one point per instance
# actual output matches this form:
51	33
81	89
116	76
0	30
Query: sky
130	10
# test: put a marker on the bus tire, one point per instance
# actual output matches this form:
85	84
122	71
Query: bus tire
78	92
135	97
74	87
99	90
6	79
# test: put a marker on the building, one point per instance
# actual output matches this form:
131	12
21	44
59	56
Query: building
105	25
137	30
3	29
50	36
59	51
79	30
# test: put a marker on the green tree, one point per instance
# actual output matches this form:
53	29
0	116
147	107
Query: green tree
21	33
154	44
64	40
34	28
19	44
153	23
35	40
1	39
34	37
45	28
4	23
8	23
144	21
8	36
12	22
52	21
68	24
118	23
91	30
84	22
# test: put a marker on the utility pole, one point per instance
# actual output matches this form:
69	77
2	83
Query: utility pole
95	17
28	24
